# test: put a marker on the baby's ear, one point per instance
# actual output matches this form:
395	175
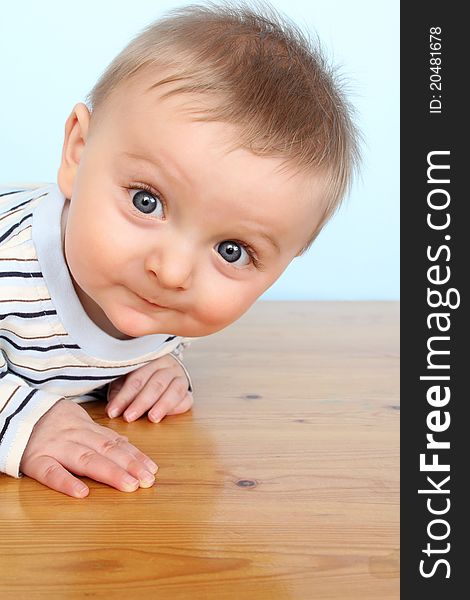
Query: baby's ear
75	136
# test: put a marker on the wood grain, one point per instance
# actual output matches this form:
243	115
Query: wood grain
281	482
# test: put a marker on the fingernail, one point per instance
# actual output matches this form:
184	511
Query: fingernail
147	480
80	490
151	466
113	413
130	484
155	417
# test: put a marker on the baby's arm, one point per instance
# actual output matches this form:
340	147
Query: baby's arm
21	407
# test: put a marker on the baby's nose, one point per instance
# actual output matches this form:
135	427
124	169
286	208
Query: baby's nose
170	271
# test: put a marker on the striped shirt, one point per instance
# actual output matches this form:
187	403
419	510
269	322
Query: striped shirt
49	348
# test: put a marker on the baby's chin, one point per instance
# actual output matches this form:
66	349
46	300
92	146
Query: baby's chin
130	323
136	324
133	324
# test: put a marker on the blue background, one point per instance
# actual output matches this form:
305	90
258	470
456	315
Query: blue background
52	52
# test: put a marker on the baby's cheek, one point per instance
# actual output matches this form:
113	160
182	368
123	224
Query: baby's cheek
216	313
76	254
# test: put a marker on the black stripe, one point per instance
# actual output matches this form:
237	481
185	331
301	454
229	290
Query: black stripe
15	192
19	232
29	315
103	378
20	274
13	227
40	348
19	409
13	208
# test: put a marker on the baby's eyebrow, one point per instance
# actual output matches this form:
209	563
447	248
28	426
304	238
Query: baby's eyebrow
155	162
269	239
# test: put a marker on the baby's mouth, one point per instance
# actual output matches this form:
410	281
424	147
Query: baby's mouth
151	302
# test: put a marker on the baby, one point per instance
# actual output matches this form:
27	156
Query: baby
213	150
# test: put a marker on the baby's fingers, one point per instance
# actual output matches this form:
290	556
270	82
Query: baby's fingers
118	469
115	386
174	401
154	388
52	474
133	385
185	404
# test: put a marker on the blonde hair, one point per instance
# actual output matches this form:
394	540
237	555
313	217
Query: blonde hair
275	85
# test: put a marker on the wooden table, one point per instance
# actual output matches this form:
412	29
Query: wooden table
281	483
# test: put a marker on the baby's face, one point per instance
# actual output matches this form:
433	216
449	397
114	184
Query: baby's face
212	231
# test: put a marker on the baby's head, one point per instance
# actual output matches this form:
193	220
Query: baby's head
212	151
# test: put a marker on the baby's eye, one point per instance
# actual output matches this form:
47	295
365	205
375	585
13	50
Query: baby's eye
231	251
145	202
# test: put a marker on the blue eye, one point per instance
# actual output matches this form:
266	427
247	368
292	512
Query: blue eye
231	251
145	201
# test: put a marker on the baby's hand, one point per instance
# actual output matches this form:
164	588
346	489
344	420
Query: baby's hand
66	437
161	387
